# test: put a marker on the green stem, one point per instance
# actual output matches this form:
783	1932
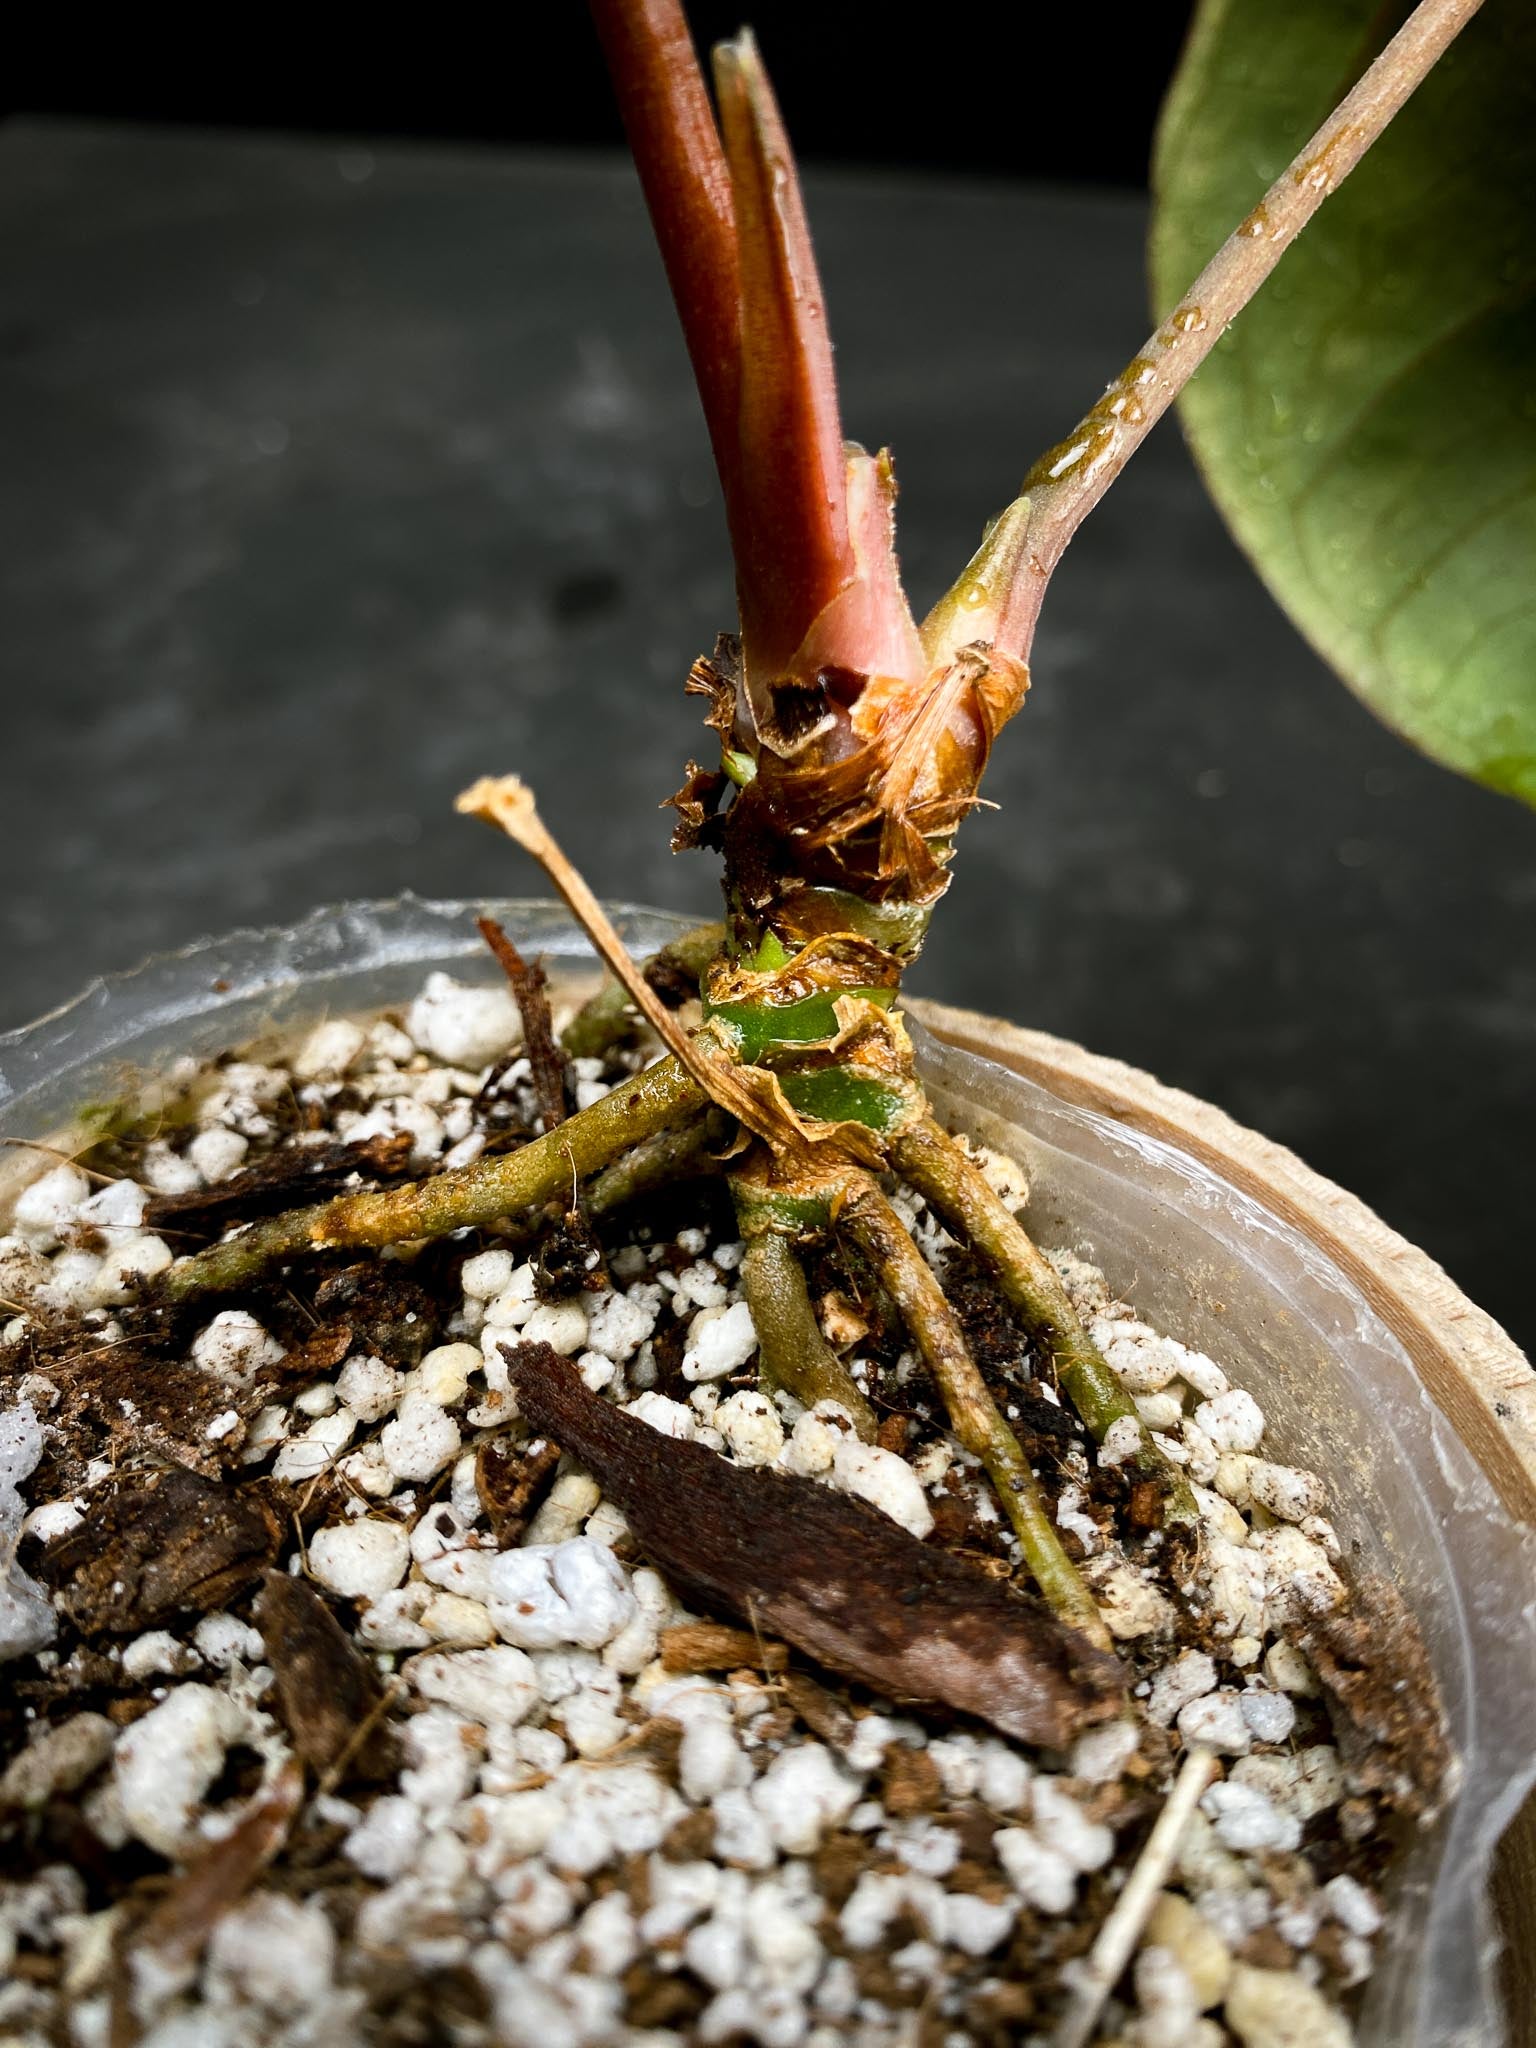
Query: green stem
795	1355
495	1186
977	1420
931	1162
680	1152
608	1017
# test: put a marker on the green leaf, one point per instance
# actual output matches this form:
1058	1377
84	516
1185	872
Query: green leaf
1368	426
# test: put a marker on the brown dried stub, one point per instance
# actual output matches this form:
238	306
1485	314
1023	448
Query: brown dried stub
871	805
858	789
529	984
860	737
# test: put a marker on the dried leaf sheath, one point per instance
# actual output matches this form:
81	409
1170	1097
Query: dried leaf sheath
827	1573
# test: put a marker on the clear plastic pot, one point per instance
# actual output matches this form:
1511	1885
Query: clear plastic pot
1199	1258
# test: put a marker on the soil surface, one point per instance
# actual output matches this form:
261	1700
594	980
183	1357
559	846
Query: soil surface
343	1703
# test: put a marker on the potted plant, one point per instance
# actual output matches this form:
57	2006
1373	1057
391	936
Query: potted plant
594	1831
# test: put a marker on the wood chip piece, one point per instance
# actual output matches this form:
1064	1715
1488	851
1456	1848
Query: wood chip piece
821	1711
325	1690
826	1572
1389	1719
511	1480
910	1781
711	1646
144	1401
158	1545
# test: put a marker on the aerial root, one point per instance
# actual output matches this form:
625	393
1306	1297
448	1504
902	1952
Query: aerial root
795	1355
609	1017
689	1150
495	1186
1117	1938
930	1161
976	1418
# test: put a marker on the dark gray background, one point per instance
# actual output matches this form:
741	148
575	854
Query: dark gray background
335	476
999	88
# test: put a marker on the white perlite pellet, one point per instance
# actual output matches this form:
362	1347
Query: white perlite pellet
562	1325
313	1452
750	1424
1122	1440
277	1952
464	1027
26	1614
55	1518
1244	1818
1099	1756
1279	2009
218	1153
618	1323
443	1375
164	1763
486	1275
720	1341
25	1275
46	1210
545	1595
224	1640
1233	1421
369	1387
497	1684
420	1441
59	1759
1191	1675
235	1347
385	1842
360	1560
1352	1905
158	1653
329	1050
670	1417
885	1480
1217	1722
125	1267
815	1439
570	1501
1291	1494
1270	1715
